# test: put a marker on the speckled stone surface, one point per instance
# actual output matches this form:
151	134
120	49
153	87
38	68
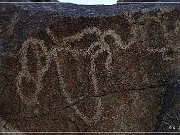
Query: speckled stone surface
71	68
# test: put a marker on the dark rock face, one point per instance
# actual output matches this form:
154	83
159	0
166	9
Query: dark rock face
29	1
44	0
70	68
137	0
120	1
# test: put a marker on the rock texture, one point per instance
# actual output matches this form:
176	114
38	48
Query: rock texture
29	1
131	1
137	1
70	68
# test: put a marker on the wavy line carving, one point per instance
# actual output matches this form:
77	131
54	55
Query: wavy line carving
63	45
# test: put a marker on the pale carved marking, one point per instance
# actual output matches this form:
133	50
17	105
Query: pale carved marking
142	31
177	25
166	34
93	55
64	46
75	53
24	73
162	51
84	32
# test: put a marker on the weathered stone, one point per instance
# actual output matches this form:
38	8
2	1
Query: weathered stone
71	68
137	1
29	1
122	2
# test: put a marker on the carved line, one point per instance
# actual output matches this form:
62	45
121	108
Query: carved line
25	72
69	100
147	17
54	54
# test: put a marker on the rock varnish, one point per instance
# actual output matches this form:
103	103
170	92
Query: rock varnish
71	68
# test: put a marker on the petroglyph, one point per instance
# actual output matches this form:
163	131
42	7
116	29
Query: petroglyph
140	32
25	73
104	47
75	52
63	45
163	51
65	70
93	51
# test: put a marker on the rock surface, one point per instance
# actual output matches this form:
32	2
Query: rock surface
29	1
70	68
150	1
